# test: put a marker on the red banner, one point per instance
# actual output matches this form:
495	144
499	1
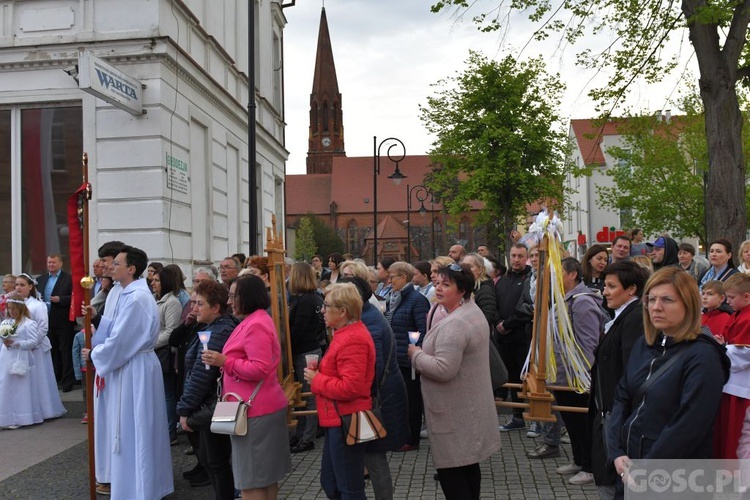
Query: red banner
75	240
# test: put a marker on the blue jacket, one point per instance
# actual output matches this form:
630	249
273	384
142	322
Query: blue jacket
409	316
78	344
676	417
395	406
200	384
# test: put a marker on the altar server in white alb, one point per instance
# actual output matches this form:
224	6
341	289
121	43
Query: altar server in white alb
123	354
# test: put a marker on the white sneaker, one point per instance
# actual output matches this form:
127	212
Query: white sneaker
569	469
423	434
582	478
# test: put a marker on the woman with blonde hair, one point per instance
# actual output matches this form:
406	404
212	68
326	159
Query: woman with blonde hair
667	400
484	288
343	385
644	262
744	267
358	269
306	332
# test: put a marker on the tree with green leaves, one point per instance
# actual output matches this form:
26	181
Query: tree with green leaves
665	157
304	245
635	35
326	239
497	139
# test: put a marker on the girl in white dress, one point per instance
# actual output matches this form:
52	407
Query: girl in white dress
26	372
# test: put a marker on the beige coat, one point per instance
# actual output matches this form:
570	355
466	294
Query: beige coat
458	402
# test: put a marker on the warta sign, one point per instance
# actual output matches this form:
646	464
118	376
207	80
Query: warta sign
109	83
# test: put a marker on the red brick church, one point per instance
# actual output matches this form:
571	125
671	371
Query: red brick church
339	189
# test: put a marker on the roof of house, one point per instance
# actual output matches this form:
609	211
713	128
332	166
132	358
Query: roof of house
589	133
350	186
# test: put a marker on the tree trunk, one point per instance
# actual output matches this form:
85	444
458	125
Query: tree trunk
726	215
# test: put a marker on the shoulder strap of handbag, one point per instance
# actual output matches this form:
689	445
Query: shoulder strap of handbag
249	401
641	392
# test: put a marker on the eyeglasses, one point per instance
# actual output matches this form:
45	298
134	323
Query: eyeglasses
666	301
455	267
391	276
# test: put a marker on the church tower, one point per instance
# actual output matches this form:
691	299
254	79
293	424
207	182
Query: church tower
326	138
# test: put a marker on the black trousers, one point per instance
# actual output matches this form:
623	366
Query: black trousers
514	355
416	406
461	483
577	425
214	453
61	338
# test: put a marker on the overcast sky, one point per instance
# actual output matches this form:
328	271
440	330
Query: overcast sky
389	52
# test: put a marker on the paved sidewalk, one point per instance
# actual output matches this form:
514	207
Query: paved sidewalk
49	461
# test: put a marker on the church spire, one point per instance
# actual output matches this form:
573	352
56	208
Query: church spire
326	138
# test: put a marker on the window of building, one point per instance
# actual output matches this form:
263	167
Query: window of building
50	172
437	228
352	238
6	244
464	232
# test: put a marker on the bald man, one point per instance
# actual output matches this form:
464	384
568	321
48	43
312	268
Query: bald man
457	253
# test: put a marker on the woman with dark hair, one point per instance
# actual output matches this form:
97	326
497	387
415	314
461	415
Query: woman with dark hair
421	280
667	400
722	262
151	271
334	260
457	388
389	386
182	295
164	286
199	394
306	328
249	363
623	288
593	263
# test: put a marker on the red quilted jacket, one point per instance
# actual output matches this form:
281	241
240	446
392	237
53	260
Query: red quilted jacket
345	375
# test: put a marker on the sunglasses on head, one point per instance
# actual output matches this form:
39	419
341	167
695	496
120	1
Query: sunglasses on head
455	267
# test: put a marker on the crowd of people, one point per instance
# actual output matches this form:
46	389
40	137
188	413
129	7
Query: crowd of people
665	335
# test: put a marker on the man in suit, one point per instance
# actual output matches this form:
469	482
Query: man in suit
56	287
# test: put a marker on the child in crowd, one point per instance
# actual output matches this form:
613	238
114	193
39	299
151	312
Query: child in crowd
736	398
79	366
716	313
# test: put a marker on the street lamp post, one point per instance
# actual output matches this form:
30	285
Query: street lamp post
396	176
421	193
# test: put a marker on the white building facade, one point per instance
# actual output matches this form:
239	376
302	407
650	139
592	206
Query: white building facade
586	223
174	180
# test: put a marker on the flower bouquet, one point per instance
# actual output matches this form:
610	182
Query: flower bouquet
7	328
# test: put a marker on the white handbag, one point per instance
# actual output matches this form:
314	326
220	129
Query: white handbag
230	417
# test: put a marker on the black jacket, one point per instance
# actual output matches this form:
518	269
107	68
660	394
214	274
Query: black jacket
200	384
676	417
395	406
485	299
59	313
304	322
508	290
611	358
670	254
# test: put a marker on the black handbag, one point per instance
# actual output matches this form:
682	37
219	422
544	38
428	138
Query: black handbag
166	360
200	419
498	371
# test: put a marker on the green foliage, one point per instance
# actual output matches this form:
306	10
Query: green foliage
662	167
305	246
326	239
497	138
658	178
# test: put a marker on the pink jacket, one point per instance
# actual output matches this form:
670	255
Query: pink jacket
253	354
